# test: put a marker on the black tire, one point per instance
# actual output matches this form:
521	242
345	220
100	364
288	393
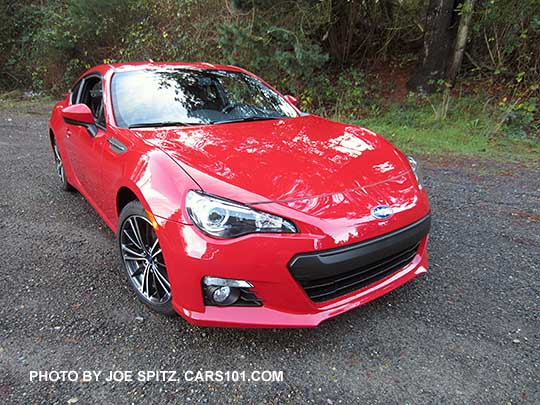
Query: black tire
142	259
59	166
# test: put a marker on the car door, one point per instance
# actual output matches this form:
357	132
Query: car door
84	149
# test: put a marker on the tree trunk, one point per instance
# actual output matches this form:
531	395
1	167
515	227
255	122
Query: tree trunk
438	41
461	40
342	30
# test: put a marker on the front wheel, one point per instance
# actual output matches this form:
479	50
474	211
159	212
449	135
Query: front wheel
59	166
143	259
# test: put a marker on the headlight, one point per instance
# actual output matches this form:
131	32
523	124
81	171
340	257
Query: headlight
228	219
416	170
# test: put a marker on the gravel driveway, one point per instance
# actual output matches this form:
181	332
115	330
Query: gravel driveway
468	331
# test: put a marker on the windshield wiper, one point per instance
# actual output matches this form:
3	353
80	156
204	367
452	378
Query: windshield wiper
162	124
247	119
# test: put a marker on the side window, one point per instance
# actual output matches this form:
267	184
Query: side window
75	92
92	96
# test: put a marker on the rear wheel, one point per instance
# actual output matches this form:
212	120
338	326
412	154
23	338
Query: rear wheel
59	166
143	259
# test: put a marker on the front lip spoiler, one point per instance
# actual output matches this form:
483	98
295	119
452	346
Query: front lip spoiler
266	317
317	265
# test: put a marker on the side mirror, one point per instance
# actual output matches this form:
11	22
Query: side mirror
80	115
292	100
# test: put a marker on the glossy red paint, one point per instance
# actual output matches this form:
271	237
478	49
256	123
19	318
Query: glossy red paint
325	176
291	99
78	113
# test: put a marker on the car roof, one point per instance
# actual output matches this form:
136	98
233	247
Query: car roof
151	65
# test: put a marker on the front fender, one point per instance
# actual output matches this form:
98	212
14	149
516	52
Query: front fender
159	184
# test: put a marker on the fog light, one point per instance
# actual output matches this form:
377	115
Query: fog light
221	294
225	291
225	295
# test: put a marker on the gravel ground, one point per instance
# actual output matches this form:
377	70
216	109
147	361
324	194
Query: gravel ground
468	331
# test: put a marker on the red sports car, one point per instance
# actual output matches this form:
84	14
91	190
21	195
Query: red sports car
231	206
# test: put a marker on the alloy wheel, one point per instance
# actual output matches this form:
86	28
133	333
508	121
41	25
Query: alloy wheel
143	259
58	163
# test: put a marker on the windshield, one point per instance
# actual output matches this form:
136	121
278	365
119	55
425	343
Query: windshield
193	97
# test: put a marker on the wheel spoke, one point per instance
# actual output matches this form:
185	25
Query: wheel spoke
157	252
154	285
153	247
159	264
135	259
136	232
58	161
144	282
138	271
125	248
133	240
162	280
164	296
57	153
147	236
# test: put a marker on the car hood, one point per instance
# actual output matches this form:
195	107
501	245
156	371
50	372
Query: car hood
280	160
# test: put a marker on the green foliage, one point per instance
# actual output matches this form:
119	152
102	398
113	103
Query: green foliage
71	36
440	100
294	58
20	21
413	128
172	30
506	35
519	119
345	95
317	50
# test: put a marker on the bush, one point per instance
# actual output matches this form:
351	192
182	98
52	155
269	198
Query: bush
344	95
294	59
519	118
506	37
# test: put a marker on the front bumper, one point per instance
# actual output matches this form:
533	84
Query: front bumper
278	272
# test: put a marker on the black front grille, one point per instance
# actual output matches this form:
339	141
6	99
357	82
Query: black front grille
332	273
331	287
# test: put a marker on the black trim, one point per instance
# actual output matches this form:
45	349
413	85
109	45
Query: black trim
116	145
248	299
75	122
309	266
82	81
330	273
91	128
73	98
